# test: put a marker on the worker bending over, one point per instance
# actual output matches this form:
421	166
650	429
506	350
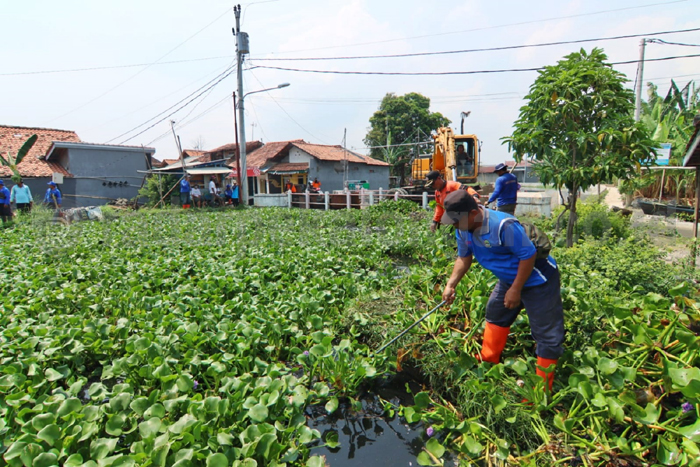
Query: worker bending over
442	189
499	243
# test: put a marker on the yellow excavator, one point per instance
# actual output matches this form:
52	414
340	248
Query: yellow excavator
455	156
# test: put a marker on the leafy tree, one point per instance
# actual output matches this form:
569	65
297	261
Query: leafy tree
23	151
407	118
670	120
156	187
578	127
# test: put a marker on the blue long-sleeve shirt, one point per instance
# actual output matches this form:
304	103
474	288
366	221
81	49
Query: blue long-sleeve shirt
235	192
54	192
184	186
4	196
505	190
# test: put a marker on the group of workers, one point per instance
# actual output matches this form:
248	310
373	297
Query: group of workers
313	187
193	195
497	240
21	195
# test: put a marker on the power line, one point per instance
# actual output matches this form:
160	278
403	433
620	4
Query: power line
418	54
113	67
225	73
218	73
178	109
140	71
491	27
443	73
193	119
661	41
487	49
287	113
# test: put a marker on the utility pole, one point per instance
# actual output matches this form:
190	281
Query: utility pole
640	78
177	144
241	49
238	146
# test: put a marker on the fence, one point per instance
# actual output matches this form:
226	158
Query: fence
352	199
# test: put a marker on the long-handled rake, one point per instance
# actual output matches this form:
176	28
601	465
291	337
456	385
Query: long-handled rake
409	328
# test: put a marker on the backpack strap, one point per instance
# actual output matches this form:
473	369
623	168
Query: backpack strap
502	225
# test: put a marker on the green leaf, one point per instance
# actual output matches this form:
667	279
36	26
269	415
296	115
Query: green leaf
69	406
316	461
42	420
607	366
217	460
24	150
498	402
332	405
140	405
692	432
45	459
421	400
114	424
435	448
150	427
258	413
52	375
50	434
424	459
74	460
225	439
101	447
668	452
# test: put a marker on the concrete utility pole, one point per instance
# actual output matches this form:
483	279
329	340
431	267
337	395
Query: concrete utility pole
640	78
241	49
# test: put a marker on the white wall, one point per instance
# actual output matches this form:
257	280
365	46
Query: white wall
297	155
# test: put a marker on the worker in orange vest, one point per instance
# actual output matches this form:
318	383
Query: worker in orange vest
290	187
316	184
442	189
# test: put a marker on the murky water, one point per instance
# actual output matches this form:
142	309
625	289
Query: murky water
368	437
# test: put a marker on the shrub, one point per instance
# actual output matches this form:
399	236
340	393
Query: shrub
595	220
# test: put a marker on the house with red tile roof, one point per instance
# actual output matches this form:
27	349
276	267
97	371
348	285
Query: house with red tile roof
300	162
88	174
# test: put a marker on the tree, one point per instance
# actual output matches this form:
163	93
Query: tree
670	120
578	128
199	143
408	118
23	151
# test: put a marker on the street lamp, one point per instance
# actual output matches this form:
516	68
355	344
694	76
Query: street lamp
242	149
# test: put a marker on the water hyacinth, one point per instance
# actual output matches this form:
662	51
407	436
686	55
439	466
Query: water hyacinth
430	431
306	353
687	407
196	384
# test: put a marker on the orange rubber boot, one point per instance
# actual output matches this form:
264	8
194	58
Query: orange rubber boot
495	338
548	376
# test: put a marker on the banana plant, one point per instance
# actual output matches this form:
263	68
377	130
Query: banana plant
23	151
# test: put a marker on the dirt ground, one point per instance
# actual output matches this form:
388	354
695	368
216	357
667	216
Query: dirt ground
668	233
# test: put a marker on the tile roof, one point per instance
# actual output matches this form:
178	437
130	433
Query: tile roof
289	167
336	153
250	146
269	151
13	137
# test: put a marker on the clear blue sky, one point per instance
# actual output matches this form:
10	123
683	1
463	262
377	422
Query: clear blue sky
43	35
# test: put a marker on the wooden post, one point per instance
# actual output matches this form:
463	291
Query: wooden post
661	190
326	201
307	199
289	199
348	200
381	194
371	198
425	200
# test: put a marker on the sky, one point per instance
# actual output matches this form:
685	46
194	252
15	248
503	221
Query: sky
109	70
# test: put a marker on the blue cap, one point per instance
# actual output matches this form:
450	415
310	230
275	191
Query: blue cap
1	182
500	167
52	183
